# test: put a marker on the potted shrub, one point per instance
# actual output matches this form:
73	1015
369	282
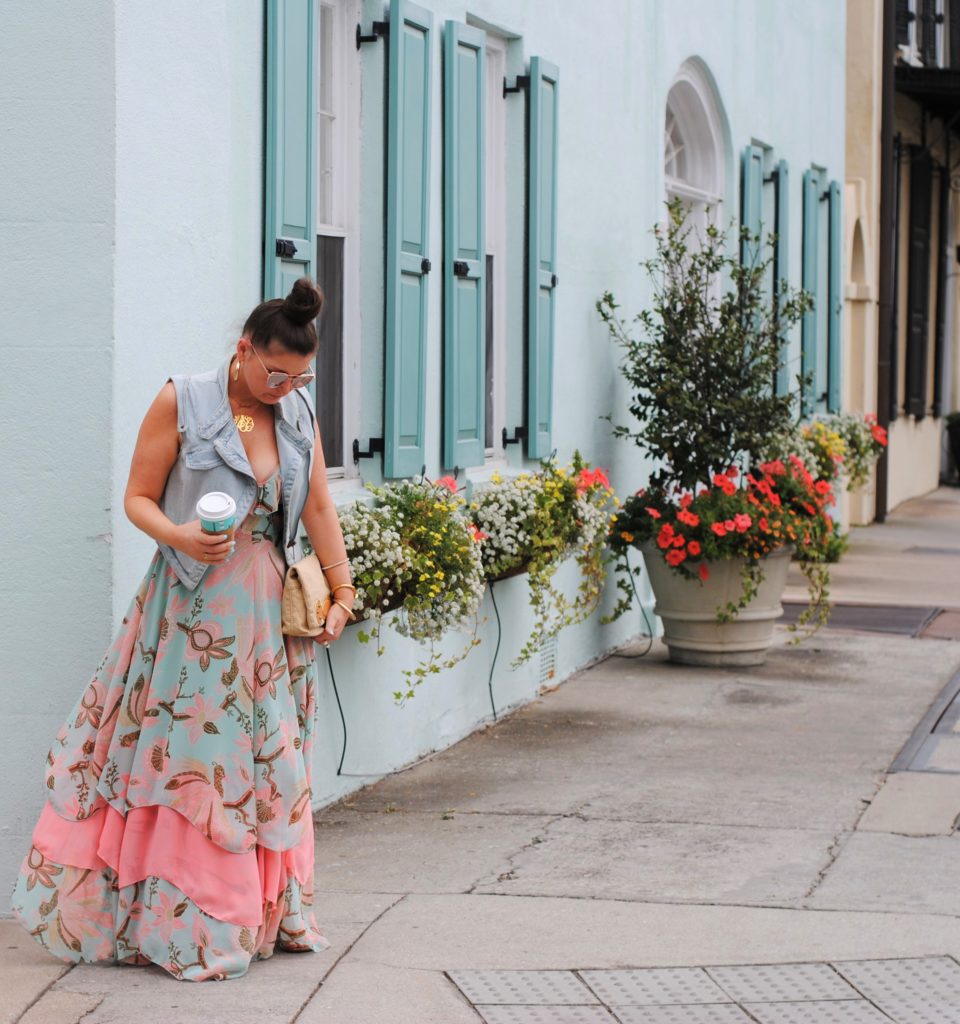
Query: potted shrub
716	523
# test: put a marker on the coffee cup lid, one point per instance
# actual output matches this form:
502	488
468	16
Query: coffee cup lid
216	505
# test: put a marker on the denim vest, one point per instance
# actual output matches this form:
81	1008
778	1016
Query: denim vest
212	458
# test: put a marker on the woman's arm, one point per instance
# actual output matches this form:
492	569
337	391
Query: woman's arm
322	524
153	457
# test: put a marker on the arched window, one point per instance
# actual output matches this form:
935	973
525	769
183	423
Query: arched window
694	152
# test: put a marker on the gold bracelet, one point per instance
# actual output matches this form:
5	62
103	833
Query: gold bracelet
332	564
343	586
349	611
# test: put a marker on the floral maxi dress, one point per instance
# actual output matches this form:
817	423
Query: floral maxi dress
177	827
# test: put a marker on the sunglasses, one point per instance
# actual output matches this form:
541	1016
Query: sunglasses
276	379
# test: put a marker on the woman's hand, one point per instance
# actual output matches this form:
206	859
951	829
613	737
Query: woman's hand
209	548
336	619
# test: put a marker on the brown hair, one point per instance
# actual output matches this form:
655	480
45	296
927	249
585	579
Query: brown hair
289	321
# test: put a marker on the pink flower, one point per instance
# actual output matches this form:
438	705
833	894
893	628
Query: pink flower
704	572
203	714
719	529
168	916
448	482
742	522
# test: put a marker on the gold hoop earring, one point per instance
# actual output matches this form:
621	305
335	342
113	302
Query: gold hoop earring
236	369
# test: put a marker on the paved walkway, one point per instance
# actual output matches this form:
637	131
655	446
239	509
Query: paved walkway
620	848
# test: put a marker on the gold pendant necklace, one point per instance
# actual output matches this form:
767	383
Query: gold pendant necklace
244	423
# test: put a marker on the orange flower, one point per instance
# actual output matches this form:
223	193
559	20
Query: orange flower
665	537
628	537
654	514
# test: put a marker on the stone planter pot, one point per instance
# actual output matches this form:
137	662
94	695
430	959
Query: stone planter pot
688	610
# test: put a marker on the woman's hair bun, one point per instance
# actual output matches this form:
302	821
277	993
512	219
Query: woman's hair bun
304	302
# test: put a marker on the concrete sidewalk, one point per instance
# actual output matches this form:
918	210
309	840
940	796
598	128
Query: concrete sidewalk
641	815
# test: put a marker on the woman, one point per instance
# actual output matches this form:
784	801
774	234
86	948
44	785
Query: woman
177	828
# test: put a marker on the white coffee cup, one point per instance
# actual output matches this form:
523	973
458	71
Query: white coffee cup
217	512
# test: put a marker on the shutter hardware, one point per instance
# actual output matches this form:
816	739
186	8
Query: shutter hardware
519	433
460	268
425	266
376	445
380	29
285	247
522	82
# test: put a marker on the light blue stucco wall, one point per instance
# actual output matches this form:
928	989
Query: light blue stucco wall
56	360
174	141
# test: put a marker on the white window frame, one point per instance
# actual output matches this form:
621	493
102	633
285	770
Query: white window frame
345	221
495	215
696	112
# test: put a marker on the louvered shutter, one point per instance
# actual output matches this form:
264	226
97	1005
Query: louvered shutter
408	262
781	259
541	252
811	283
918	280
834	297
291	110
751	203
464	256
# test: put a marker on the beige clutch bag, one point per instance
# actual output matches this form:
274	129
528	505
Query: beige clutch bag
306	598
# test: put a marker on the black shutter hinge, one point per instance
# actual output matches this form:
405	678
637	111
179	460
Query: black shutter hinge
375	445
425	266
379	31
522	82
286	248
519	433
460	268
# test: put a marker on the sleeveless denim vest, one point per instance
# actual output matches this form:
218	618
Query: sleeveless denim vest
212	458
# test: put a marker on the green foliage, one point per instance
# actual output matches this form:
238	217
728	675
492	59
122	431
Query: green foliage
703	367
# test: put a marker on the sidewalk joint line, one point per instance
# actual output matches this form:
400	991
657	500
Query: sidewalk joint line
326	974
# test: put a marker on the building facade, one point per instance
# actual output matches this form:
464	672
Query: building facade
903	225
464	179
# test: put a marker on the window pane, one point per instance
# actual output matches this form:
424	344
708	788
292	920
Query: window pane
329	393
326	116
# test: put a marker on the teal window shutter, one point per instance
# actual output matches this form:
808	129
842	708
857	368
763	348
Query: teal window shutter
408	238
541	252
464	259
811	283
781	258
751	202
834	296
291	116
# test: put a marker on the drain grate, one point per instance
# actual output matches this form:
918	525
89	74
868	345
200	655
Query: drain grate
655	985
870	618
782	983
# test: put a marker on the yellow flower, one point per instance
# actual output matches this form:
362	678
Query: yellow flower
495	477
